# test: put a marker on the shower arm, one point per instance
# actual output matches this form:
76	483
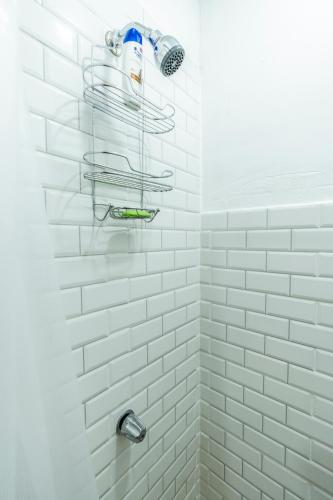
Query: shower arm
114	38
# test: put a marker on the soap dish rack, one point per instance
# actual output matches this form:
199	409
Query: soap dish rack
126	213
108	97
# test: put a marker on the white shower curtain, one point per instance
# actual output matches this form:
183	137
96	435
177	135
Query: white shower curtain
43	448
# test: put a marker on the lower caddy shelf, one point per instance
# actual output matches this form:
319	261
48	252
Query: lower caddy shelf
130	178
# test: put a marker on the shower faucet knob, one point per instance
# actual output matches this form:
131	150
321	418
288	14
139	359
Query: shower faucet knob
131	427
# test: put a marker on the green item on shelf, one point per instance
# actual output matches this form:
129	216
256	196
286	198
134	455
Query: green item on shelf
135	213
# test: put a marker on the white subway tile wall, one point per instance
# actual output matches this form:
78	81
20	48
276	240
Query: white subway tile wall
132	295
267	354
131	292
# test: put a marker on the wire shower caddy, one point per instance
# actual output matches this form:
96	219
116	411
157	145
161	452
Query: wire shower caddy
103	91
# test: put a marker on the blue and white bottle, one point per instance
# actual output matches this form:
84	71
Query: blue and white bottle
132	67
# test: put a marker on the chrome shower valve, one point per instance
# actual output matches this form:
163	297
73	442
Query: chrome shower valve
131	427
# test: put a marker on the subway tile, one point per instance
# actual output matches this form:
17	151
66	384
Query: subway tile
245	339
247	219
146	376
267	446
47	28
322	455
187	295
160	304
245	376
227	351
269	240
127	315
286	478
213	329
216	258
323	409
47	100
160	261
312	427
243	450
214	220
265	405
174	319
325	264
287	436
320	240
123	366
288	394
241	485
214	294
291	263
249	260
311	381
291	308
225	456
144	286
263	483
290	351
230	315
227	387
33	55
103	404
294	216
266	366
162	386
312	335
230	424
228	239
326	214
212	363
228	277
160	346
87	328
104	295
312	288
71	299
310	471
103	351
267	282
270	325
246	300
324	362
93	383
66	241
325	314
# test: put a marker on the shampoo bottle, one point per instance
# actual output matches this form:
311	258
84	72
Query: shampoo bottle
132	67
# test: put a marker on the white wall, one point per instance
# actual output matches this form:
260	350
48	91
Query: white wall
131	292
267	354
267	102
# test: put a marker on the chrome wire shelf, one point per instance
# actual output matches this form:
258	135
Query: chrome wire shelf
126	213
131	178
103	93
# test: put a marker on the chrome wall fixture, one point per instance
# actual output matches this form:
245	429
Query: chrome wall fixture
131	427
169	53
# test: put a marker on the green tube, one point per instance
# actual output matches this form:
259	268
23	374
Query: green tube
135	213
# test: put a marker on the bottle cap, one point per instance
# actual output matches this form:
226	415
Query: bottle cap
133	35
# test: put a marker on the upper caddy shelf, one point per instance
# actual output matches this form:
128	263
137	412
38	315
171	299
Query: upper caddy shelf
104	91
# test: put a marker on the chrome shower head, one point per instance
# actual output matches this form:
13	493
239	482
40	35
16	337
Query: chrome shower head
169	53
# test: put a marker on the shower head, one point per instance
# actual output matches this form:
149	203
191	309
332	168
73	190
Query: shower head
169	53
